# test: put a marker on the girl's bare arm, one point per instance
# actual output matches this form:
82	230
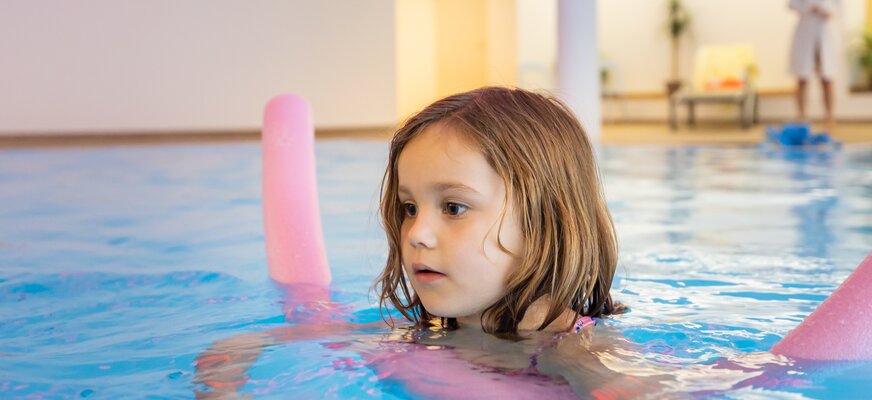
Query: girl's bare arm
223	367
579	359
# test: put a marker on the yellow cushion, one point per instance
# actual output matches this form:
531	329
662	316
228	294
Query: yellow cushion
727	67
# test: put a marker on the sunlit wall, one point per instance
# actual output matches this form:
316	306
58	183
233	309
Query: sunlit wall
450	46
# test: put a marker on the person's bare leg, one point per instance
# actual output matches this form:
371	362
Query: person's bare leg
827	86
800	99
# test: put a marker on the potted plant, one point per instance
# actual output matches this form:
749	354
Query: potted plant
864	57
678	22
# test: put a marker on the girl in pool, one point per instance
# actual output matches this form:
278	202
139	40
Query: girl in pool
497	229
494	214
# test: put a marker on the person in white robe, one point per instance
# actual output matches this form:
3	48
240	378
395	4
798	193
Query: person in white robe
814	49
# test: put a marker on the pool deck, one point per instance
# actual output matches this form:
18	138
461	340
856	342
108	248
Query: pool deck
612	134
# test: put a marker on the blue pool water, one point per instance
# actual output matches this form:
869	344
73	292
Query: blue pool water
120	265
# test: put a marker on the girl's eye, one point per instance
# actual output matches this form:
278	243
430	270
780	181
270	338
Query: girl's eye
410	210
455	209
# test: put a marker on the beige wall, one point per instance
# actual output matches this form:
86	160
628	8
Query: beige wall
449	46
869	15
502	66
124	65
536	39
637	44
634	42
416	55
461	45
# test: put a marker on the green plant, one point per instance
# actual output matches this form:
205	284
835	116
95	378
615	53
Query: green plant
864	56
678	22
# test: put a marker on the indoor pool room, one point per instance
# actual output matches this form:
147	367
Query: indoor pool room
436	199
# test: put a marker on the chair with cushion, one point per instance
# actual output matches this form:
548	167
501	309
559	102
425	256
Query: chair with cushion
721	74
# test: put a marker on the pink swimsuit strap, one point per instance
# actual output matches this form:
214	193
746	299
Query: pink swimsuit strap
583	322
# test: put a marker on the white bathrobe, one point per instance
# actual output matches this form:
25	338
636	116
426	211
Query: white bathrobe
814	34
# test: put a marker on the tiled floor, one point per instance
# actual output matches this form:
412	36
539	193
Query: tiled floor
717	134
654	133
613	134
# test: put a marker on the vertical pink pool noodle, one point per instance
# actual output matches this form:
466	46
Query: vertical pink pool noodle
291	216
841	327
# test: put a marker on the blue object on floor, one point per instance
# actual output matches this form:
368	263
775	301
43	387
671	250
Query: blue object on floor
796	134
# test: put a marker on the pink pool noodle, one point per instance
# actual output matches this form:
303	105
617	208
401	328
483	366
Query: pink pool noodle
841	327
292	222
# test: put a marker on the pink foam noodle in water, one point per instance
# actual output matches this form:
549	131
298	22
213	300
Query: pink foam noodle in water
841	327
292	222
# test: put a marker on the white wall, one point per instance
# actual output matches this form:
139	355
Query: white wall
635	43
124	65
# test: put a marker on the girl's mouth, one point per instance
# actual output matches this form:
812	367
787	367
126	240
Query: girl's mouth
425	274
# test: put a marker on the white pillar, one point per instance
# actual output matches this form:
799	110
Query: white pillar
578	76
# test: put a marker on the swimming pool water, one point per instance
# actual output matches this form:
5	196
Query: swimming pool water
119	265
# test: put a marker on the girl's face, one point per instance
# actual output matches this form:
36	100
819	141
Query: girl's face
453	203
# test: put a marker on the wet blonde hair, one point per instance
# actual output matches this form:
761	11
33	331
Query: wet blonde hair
547	164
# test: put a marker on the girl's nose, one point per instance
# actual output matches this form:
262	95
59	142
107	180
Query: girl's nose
422	232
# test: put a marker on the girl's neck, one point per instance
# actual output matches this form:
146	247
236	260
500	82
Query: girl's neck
470	321
533	318
536	313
